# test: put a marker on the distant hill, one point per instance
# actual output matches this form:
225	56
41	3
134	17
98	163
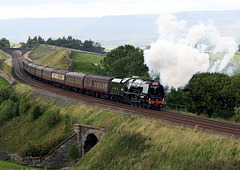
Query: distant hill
112	31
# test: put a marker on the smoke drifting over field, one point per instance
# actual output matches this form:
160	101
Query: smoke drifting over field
177	54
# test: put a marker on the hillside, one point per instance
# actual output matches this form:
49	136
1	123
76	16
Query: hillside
130	142
55	57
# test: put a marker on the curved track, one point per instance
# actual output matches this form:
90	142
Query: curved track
192	121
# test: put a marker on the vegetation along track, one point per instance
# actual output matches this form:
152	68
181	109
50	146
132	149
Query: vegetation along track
181	119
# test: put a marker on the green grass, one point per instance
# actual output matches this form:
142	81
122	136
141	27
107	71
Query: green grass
3	57
11	166
3	82
85	63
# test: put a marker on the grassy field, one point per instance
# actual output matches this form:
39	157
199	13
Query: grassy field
85	63
11	166
3	82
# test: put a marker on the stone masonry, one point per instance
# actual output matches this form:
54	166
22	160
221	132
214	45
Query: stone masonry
59	157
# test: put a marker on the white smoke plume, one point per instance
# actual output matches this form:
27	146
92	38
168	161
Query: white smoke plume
177	54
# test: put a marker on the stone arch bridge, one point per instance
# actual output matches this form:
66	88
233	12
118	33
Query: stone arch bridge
23	50
85	138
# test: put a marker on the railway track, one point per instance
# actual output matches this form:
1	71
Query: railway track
188	120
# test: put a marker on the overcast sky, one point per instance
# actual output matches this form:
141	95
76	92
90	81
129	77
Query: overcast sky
98	8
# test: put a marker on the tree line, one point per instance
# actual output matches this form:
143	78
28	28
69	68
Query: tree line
69	42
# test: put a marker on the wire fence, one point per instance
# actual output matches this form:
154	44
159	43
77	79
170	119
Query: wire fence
176	107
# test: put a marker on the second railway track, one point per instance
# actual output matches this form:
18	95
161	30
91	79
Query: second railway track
193	121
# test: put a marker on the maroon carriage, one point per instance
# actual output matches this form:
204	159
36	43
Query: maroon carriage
75	80
97	84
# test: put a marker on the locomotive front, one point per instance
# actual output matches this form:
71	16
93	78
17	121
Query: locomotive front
156	95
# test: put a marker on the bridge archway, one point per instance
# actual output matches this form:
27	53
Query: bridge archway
22	50
90	142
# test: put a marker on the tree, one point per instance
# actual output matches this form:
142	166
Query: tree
124	61
4	43
176	96
235	89
206	93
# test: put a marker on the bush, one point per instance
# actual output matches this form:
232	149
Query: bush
52	117
8	110
5	93
24	105
35	112
236	117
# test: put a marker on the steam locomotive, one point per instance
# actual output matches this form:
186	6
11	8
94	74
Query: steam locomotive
133	91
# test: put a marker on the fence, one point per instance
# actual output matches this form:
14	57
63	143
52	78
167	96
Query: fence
176	107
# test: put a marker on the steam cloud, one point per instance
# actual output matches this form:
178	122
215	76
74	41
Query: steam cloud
177	54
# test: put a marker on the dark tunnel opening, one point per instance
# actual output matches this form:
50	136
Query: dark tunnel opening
90	142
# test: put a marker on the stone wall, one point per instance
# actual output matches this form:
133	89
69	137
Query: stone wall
59	157
70	61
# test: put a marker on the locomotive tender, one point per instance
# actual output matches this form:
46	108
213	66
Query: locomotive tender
133	91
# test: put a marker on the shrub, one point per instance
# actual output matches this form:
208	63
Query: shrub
8	110
68	124
5	93
52	117
236	117
24	104
35	112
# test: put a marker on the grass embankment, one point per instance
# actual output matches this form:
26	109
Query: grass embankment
35	129
11	166
130	142
3	82
2	56
50	56
85	63
6	65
